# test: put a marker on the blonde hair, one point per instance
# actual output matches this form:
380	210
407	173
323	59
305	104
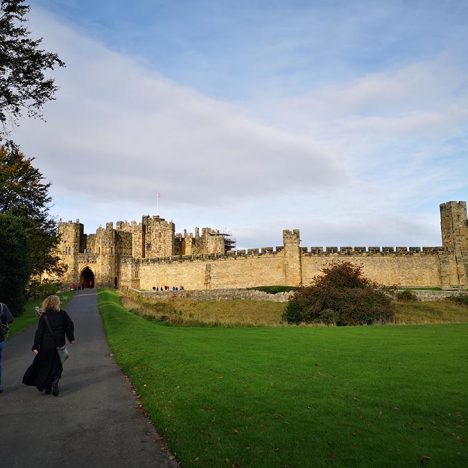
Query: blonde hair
51	302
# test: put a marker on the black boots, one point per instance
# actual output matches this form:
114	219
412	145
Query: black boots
55	388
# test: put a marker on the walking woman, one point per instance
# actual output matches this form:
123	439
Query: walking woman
5	319
46	369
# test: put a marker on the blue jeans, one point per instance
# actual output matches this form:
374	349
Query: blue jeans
1	349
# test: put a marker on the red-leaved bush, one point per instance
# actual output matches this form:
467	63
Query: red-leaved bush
341	296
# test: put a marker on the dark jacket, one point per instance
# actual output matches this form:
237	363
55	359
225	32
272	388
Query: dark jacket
5	316
61	325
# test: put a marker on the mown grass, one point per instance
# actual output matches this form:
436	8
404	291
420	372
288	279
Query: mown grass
264	313
29	318
297	396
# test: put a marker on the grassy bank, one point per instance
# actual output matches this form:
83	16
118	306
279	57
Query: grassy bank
29	318
430	312
185	311
264	313
297	396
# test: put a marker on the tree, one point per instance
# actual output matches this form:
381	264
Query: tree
15	266
23	84
25	194
341	296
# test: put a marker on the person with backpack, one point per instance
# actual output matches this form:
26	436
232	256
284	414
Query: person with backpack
5	319
49	347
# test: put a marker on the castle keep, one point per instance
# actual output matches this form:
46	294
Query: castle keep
150	254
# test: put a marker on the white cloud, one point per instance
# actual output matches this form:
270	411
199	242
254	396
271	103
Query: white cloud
120	129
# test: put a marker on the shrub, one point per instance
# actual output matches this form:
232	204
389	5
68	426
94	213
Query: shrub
42	289
461	299
341	296
406	296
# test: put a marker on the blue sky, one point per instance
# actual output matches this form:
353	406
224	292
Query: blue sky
229	49
345	119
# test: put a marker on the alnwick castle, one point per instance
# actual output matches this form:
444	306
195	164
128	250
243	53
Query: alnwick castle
150	254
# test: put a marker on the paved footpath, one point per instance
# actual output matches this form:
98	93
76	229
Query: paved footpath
95	422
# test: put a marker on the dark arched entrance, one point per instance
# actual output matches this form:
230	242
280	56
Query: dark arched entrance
87	278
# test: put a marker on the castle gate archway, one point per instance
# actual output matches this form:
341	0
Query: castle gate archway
87	278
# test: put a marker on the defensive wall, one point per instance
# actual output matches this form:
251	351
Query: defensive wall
259	267
118	258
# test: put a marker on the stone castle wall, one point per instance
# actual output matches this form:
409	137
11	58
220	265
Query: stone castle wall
149	255
242	270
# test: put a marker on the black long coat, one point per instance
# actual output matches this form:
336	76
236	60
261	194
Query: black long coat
61	325
46	366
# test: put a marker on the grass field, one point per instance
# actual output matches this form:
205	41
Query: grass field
29	318
257	313
299	396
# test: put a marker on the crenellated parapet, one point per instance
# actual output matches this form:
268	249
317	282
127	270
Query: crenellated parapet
366	251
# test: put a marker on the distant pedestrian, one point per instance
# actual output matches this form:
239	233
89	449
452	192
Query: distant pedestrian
45	371
5	319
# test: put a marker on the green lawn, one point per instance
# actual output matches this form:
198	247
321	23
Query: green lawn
29	318
299	396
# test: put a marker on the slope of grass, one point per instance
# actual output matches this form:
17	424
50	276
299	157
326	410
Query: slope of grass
264	313
298	396
29	318
430	312
185	311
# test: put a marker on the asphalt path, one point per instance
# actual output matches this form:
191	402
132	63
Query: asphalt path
94	422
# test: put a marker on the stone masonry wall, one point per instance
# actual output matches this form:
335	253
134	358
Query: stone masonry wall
215	295
279	268
216	273
412	270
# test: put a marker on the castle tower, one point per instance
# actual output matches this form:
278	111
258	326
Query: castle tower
187	244
213	242
72	241
158	237
107	256
137	240
454	260
292	257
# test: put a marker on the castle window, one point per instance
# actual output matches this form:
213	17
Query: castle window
148	246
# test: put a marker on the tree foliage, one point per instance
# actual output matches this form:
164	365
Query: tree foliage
15	263
341	296
23	66
25	194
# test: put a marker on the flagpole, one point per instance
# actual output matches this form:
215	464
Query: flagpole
157	203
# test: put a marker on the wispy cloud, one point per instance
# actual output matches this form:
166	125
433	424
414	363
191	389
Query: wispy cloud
118	128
